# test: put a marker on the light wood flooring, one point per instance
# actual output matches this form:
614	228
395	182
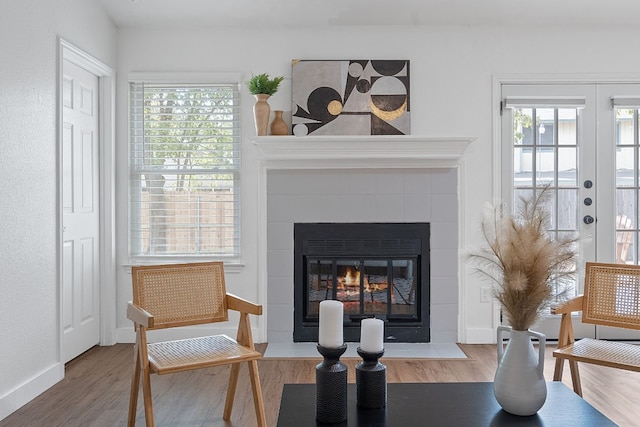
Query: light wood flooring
95	391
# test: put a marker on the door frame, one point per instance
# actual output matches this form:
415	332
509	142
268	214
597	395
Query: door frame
106	105
532	79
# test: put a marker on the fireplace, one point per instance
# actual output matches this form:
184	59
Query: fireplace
359	179
376	269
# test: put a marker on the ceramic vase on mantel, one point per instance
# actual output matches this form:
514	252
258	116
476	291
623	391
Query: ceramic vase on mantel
519	385
261	113
278	125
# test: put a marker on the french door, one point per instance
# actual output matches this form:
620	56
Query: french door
582	141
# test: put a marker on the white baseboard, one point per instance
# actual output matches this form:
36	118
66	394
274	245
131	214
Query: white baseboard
26	392
481	336
127	334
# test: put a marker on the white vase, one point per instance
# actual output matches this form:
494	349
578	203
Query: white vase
519	385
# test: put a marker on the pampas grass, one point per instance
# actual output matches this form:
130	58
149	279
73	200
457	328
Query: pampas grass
524	262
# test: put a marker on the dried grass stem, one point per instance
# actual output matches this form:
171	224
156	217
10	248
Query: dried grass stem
524	261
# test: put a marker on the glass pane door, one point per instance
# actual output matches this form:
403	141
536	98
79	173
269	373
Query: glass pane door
545	145
619	189
384	288
592	170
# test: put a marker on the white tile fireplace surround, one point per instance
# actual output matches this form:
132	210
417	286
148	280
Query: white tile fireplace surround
359	179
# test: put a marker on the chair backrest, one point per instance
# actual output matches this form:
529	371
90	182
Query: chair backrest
612	295
181	294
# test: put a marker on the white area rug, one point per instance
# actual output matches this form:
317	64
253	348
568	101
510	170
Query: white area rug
307	350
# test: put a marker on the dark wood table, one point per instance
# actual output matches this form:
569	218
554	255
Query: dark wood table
441	404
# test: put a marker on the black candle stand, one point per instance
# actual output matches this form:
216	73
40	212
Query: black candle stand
331	386
371	381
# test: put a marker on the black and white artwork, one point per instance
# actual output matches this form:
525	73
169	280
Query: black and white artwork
350	97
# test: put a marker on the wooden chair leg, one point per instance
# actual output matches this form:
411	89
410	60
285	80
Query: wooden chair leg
135	386
146	393
565	337
257	393
557	372
146	378
231	391
575	377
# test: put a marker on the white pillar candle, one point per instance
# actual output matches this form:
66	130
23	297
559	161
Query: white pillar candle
372	335
331	324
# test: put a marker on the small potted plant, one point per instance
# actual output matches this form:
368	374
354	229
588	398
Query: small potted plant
261	84
262	87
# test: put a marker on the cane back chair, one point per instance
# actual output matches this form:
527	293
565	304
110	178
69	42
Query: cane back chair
611	298
167	296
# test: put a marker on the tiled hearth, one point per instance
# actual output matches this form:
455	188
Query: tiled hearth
308	350
359	179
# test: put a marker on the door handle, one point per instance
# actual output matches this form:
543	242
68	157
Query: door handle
588	219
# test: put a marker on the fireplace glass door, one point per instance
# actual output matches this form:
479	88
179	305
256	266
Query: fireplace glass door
384	288
375	269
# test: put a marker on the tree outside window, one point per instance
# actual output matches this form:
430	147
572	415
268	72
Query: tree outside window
184	181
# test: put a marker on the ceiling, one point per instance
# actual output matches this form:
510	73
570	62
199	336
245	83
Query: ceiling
166	14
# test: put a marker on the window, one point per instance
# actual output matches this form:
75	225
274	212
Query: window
544	143
184	182
627	177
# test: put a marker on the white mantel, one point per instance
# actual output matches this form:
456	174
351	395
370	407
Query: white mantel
394	151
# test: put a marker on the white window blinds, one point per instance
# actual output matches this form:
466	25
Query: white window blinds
184	169
543	102
625	102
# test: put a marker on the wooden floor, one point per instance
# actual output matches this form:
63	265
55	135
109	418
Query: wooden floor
95	391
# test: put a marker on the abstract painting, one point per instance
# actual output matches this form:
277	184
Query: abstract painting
350	97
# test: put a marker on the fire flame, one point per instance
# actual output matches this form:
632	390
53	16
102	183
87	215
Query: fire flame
351	279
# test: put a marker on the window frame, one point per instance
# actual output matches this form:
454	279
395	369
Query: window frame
185	79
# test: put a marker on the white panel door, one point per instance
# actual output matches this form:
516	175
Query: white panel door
81	215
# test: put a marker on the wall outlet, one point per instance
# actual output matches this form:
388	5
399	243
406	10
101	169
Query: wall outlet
485	294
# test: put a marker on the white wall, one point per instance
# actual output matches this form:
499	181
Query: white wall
29	31
451	95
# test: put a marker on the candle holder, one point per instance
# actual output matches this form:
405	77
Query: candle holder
331	386
371	381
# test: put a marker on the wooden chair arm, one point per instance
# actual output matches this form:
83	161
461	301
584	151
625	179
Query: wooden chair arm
239	304
139	316
574	304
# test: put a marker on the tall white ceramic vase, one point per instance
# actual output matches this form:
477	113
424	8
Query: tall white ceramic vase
519	384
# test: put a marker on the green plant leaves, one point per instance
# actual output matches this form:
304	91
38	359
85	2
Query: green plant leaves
262	84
